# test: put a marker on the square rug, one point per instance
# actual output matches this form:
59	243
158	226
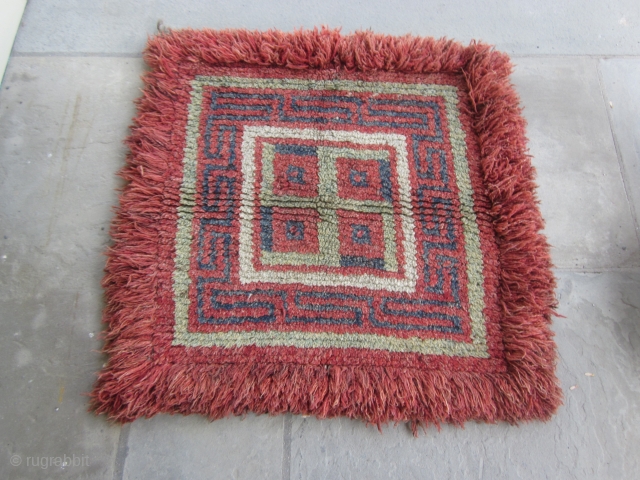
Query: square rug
328	225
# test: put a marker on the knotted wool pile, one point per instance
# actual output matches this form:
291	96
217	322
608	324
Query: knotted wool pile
328	225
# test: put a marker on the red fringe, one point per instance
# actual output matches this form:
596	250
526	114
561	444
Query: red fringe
130	387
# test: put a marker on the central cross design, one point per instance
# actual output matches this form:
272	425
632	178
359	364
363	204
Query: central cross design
343	192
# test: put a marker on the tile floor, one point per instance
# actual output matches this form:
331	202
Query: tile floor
65	104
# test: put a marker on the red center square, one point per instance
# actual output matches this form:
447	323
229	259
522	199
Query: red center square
295	173
361	234
359	179
295	230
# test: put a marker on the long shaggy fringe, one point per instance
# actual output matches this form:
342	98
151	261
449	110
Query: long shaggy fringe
129	387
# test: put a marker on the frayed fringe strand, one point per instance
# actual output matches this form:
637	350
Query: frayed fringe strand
303	49
132	387
377	395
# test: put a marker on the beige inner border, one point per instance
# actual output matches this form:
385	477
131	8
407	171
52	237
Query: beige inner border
471	233
249	275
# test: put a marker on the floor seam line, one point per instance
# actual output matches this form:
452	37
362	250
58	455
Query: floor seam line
621	167
121	452
286	446
574	55
139	55
597	270
76	54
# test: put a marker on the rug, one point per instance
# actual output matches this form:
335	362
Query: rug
328	225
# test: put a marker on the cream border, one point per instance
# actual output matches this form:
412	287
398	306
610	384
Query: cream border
249	275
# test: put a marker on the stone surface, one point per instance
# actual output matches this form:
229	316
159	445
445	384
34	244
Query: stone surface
62	121
588	220
548	27
167	447
621	78
595	435
61	128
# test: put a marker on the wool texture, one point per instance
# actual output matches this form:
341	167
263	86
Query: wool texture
328	225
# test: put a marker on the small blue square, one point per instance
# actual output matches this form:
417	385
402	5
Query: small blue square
294	230
295	174
360	234
358	178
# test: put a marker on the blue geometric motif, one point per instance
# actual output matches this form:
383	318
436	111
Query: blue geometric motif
266	228
435	215
220	145
294	230
360	234
356	261
385	179
444	262
448	242
215	255
316	302
295	174
299	150
430	152
456	322
358	178
273	109
214	200
330	305
437	205
217	302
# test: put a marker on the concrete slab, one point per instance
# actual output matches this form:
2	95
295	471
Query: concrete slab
166	447
548	27
62	122
595	434
588	220
621	79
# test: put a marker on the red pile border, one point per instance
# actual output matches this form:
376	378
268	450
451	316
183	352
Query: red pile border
131	386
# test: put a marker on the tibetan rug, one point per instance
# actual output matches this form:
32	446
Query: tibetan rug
328	225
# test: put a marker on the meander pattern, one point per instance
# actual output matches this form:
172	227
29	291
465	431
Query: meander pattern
330	214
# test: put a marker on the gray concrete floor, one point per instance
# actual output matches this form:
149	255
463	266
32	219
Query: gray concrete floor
65	104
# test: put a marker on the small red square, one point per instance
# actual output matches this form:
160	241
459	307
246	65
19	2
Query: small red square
361	234
362	179
295	171
295	230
